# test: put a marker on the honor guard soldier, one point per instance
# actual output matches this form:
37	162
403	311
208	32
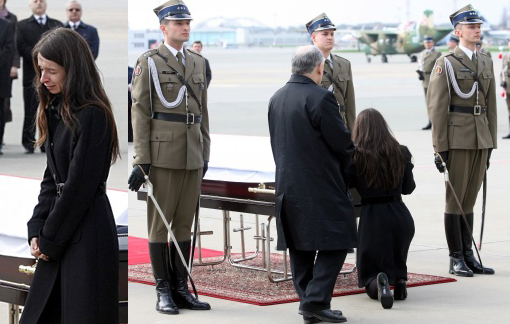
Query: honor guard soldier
480	48
426	62
171	144
337	76
461	102
505	81
452	42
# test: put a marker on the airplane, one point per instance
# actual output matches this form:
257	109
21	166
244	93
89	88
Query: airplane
406	39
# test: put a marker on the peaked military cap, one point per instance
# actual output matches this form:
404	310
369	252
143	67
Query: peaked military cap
321	22
454	38
466	15
173	10
427	38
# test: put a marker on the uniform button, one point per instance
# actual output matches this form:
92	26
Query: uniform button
51	144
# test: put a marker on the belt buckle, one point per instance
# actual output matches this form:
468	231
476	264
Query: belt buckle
192	116
477	110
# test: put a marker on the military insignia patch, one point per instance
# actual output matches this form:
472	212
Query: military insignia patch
169	87
439	70
138	70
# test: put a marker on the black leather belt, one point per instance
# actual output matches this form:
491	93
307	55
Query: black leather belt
476	110
343	108
101	189
380	200
189	119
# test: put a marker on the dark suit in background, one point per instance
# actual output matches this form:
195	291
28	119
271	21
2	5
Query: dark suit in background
6	54
7	113
89	33
29	33
314	214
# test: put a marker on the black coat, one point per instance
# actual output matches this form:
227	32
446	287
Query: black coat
89	33
77	229
311	147
385	229
6	55
28	34
14	20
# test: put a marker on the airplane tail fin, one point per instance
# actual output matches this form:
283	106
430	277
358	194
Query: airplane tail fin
427	19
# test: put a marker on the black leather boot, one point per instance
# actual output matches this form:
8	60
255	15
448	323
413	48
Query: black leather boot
467	244
429	126
508	136
454	239
182	296
160	260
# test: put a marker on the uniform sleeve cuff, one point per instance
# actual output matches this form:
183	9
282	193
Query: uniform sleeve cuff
34	226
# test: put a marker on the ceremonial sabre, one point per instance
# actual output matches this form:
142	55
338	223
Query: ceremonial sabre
150	192
483	208
449	184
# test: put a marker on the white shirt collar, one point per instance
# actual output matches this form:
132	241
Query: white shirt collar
469	53
44	18
174	52
75	24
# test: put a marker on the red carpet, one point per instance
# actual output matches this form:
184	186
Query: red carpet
138	251
252	287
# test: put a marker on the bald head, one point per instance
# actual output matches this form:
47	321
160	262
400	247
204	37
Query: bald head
73	11
38	7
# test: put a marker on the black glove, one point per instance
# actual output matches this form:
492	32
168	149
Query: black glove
137	177
503	84
204	170
439	163
420	75
488	159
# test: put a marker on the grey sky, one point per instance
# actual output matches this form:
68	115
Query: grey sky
298	12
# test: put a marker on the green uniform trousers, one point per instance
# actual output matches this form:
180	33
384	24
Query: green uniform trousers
176	192
466	168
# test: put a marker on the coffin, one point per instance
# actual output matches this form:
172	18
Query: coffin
14	249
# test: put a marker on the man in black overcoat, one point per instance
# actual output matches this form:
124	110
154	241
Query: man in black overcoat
28	34
88	32
314	213
6	55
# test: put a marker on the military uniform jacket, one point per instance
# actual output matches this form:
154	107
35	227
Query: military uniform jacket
486	52
344	89
427	62
456	130
505	72
167	144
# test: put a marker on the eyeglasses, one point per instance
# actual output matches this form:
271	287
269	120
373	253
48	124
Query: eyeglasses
74	9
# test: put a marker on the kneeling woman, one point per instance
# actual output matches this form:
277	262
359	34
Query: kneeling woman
382	172
72	231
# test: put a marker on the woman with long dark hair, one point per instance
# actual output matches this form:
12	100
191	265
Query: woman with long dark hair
382	172
72	231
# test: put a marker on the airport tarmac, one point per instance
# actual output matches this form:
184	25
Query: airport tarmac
243	80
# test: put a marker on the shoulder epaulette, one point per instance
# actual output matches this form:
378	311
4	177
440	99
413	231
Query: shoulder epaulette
194	52
344	59
150	52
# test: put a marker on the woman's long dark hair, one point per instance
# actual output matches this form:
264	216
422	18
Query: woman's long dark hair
82	87
379	156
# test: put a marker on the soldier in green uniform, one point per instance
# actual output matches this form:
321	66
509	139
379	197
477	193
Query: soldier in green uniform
452	43
337	76
426	62
461	102
171	144
505	82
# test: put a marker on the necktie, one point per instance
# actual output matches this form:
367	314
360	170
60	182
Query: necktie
327	67
73	27
40	21
179	59
475	60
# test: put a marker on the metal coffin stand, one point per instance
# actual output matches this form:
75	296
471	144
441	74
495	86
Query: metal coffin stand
249	198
